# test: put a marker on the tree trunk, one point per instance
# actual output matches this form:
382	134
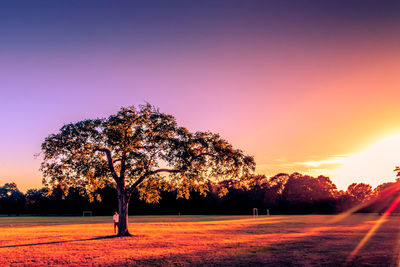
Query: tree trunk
123	201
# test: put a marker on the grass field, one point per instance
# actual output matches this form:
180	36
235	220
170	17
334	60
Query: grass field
311	240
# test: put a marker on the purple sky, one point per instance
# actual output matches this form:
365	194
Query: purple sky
277	79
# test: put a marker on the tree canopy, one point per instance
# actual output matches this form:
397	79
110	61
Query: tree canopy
138	149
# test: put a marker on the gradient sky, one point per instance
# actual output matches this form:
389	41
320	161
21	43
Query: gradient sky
297	84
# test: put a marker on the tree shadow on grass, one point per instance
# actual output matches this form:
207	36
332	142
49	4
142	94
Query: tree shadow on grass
325	248
301	252
62	241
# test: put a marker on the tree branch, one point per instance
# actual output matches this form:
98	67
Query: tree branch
110	161
123	167
145	147
148	173
205	154
138	181
166	170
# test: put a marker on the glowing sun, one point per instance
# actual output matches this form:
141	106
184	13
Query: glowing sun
374	166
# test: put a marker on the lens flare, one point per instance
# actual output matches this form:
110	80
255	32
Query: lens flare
383	195
372	231
367	166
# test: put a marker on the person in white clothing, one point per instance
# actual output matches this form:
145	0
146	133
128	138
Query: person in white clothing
115	220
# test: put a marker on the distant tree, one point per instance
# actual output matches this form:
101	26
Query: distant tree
256	186
307	189
278	182
383	187
383	196
359	192
274	189
255	182
298	189
11	199
397	170
325	188
33	196
136	150
109	200
37	200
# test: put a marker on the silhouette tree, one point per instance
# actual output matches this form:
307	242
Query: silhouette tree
37	200
275	186
256	186
11	199
359	192
382	188
325	188
397	170
137	149
307	189
298	189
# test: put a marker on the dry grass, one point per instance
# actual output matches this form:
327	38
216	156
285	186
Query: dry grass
275	240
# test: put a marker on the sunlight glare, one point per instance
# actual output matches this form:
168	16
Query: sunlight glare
374	165
372	231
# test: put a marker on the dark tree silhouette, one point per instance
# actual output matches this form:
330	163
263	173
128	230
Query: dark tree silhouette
11	199
136	150
37	200
281	194
360	192
382	188
274	189
307	189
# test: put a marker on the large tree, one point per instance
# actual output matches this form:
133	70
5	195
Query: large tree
138	149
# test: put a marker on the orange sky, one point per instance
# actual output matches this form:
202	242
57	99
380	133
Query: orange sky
300	88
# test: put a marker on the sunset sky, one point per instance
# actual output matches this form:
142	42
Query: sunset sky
306	86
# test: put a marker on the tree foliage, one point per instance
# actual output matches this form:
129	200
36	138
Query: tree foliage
138	150
360	192
11	199
281	194
135	147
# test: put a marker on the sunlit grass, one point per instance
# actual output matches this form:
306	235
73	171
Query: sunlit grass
388	192
373	230
274	240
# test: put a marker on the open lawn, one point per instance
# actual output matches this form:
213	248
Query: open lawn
311	240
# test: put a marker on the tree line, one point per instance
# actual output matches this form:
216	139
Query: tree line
280	194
